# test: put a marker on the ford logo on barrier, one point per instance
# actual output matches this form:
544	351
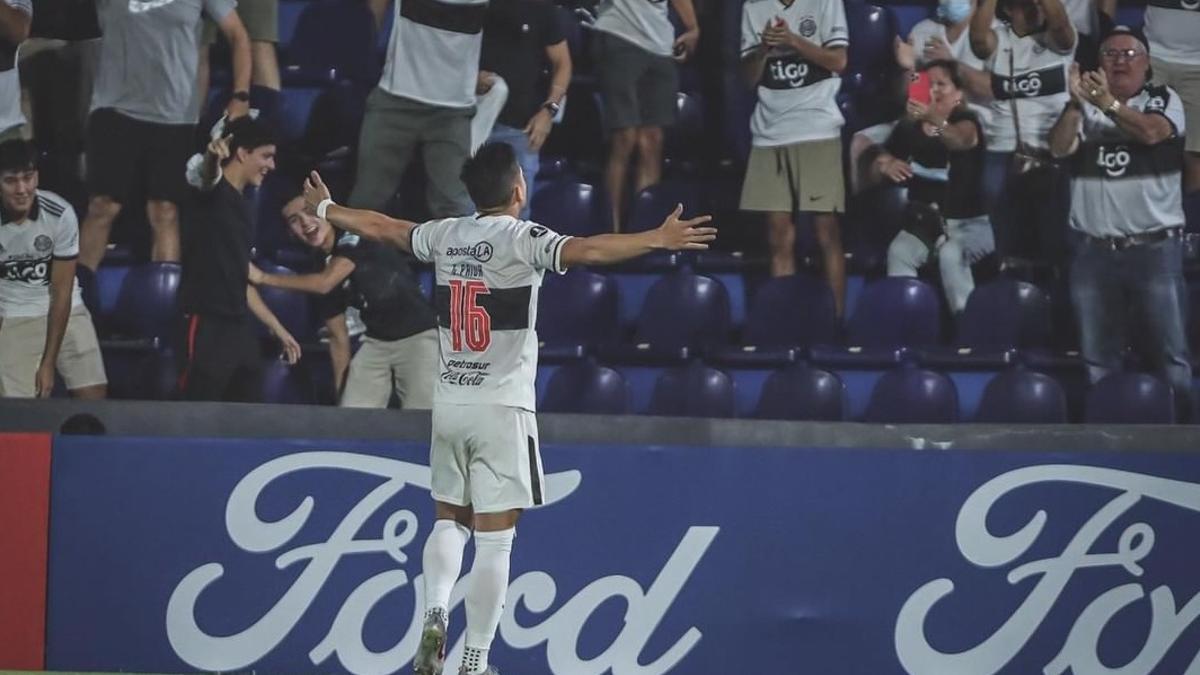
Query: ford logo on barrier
536	590
1078	655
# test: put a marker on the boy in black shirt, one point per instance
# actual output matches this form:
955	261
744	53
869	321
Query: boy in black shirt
221	344
400	348
937	153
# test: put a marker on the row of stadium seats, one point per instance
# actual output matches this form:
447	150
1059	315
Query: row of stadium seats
667	318
906	394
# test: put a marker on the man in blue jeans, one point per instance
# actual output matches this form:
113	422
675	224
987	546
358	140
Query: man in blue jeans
1125	142
521	37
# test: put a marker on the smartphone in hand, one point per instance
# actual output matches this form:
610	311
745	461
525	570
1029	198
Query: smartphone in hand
918	88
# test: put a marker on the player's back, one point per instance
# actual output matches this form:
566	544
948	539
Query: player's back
488	272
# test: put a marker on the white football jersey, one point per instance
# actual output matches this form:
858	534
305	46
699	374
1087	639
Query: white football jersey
1027	71
488	271
28	250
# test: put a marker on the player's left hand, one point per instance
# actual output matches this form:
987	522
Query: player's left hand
315	191
44	380
685	235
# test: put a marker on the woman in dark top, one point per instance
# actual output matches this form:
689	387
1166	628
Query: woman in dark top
937	152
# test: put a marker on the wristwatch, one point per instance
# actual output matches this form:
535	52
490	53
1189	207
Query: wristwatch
552	107
1113	108
241	96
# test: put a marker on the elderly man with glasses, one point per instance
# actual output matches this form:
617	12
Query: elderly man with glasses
1124	137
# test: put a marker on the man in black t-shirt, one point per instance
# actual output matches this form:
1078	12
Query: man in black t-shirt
400	348
519	38
937	152
221	346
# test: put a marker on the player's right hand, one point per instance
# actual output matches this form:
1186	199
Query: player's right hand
315	191
686	235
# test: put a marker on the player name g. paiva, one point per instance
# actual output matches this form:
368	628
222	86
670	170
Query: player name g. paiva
535	590
1079	653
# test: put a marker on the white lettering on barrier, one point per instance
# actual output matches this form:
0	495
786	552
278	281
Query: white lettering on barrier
537	590
1079	653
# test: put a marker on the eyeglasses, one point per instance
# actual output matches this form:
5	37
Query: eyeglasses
1118	54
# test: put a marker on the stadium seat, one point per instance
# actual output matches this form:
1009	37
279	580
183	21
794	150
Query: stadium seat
801	392
694	390
895	312
911	395
684	139
333	40
1020	396
296	111
1130	398
139	370
147	306
1005	314
872	30
585	387
571	208
289	16
109	280
580	135
290	307
683	313
793	311
577	311
656	202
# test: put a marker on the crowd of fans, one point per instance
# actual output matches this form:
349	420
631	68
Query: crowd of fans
1038	139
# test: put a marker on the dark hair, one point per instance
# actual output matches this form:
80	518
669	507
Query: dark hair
17	156
83	424
249	134
491	174
951	68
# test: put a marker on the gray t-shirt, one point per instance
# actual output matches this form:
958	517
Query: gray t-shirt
148	57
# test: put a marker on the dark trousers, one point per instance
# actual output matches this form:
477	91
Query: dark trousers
223	360
1029	213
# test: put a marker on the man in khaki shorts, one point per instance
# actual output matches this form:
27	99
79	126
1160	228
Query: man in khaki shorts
261	18
1173	31
793	55
43	323
400	349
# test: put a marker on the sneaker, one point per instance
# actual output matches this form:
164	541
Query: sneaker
431	654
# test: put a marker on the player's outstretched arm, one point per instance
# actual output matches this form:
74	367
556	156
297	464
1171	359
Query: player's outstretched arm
607	249
369	224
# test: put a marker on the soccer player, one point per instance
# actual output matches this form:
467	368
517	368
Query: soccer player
484	451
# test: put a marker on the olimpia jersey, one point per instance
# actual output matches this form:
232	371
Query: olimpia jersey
1028	71
28	250
488	271
1173	30
796	99
433	54
1121	187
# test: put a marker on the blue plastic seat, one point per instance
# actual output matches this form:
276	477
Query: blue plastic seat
333	40
683	314
585	387
148	306
652	205
577	311
571	208
802	392
1130	398
292	308
911	395
694	390
1020	396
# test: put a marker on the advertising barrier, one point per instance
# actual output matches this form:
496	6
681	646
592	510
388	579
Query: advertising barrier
172	555
24	517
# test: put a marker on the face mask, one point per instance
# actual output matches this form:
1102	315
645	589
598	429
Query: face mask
954	11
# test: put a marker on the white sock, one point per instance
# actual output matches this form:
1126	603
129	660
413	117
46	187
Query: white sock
485	597
442	561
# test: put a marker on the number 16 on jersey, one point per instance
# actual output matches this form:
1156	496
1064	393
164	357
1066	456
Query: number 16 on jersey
468	319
